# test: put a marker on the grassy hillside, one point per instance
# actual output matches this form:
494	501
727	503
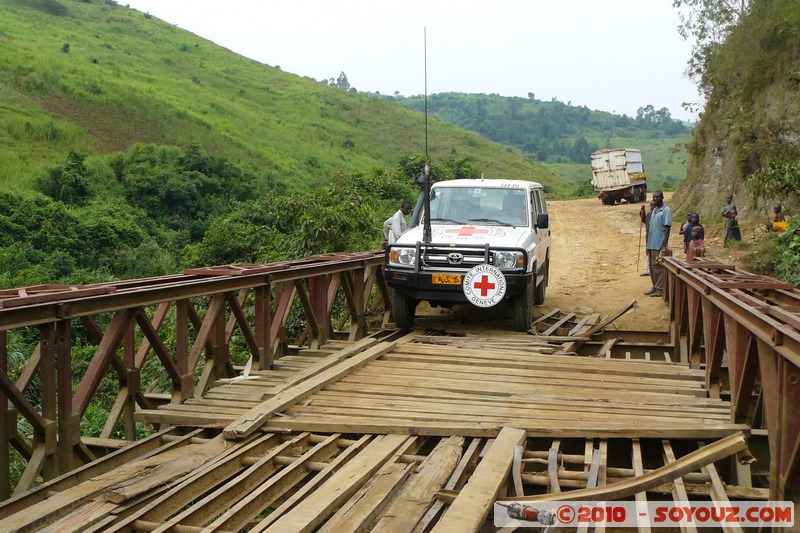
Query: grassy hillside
100	77
562	135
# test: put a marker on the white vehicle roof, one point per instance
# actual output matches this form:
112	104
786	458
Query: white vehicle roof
494	183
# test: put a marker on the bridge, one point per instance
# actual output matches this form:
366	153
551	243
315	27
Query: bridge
278	397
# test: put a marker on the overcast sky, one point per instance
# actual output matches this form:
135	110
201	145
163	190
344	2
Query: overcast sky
610	55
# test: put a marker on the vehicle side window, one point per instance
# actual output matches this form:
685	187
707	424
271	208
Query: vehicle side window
534	206
541	206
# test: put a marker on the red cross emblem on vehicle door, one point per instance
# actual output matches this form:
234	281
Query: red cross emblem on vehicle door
467	231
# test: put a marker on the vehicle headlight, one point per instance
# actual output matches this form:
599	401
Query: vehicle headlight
403	256
508	260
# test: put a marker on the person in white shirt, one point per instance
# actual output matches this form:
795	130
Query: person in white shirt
396	225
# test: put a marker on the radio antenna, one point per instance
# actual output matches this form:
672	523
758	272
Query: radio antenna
426	221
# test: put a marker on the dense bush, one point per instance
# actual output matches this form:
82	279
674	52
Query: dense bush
158	209
787	254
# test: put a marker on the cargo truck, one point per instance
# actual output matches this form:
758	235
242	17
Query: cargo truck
618	174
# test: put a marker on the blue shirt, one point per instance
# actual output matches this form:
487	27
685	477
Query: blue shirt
660	218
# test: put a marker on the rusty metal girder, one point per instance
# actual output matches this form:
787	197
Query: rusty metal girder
237	295
755	321
768	321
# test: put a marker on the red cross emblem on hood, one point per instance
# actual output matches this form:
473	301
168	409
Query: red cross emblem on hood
467	231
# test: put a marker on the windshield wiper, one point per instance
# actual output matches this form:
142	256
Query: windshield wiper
446	220
492	220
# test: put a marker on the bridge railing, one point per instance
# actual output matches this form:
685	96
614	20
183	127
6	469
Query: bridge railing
179	326
724	318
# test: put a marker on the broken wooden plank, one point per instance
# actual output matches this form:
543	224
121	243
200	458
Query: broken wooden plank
315	509
358	513
469	510
414	498
456	481
678	488
688	463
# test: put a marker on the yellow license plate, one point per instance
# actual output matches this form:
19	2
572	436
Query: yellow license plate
446	279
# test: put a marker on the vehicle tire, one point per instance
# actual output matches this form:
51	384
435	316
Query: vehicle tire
540	291
522	309
608	201
403	309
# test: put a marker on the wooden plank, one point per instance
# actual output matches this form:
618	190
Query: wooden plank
720	497
358	513
678	490
456	481
223	496
324	364
194	485
260	495
552	466
469	510
314	510
605	349
609	319
311	485
544	373
688	463
124	482
479	354
413	500
381	396
641	497
257	416
559	323
445	411
539	428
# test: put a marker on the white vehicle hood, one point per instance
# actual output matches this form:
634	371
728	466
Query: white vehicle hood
496	236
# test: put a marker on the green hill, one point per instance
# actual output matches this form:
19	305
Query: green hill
100	77
562	135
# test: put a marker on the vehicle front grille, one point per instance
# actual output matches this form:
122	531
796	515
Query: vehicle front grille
460	258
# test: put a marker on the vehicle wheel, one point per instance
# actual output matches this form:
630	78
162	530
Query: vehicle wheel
403	309
541	289
608	201
522	310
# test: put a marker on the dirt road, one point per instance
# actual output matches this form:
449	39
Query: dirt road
594	263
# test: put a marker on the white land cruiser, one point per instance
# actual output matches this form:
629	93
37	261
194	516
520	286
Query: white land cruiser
490	242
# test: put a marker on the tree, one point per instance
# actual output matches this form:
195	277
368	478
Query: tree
342	83
69	183
707	23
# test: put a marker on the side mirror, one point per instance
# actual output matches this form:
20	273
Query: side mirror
543	220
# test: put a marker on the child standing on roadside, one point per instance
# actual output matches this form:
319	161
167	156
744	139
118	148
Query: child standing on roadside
697	247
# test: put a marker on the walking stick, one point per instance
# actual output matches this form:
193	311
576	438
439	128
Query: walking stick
639	249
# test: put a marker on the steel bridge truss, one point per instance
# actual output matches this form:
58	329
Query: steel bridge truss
205	309
744	330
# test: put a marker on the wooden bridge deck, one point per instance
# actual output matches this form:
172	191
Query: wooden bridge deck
375	434
469	386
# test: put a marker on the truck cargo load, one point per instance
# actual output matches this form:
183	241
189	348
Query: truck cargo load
618	174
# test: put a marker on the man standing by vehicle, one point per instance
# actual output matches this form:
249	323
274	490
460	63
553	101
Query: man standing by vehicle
657	241
397	224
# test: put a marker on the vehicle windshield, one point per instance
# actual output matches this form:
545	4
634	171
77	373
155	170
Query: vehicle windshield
480	206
